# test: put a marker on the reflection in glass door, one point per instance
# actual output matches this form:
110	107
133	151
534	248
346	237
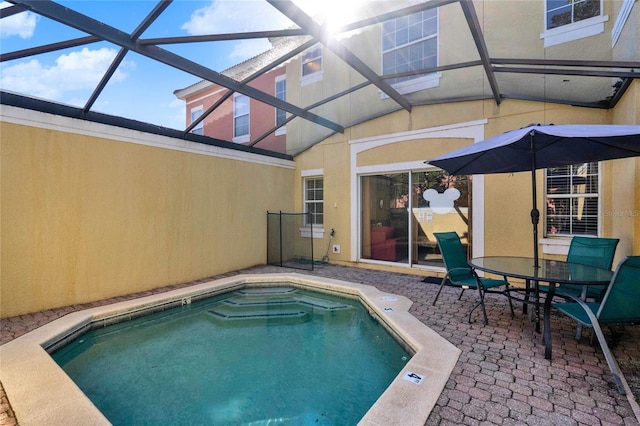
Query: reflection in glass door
440	203
385	222
398	220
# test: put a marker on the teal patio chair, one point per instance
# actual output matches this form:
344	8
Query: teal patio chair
598	252
461	275
620	305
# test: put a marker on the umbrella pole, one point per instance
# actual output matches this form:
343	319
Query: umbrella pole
535	213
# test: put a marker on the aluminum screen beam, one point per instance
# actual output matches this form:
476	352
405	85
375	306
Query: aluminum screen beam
160	7
586	73
224	37
474	26
297	15
5	12
253	76
45	48
91	26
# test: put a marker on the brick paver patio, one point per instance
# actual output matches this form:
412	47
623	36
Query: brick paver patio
501	377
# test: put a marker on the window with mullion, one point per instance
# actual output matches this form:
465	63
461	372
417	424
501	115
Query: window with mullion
195	114
565	12
281	93
572	200
312	61
410	43
240	115
314	199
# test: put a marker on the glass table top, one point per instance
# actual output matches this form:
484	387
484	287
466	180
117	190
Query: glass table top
554	271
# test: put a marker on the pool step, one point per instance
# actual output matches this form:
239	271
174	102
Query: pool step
275	306
259	317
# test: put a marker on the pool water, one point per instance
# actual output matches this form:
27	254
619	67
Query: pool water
261	356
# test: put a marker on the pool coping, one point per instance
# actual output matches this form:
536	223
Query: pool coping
41	393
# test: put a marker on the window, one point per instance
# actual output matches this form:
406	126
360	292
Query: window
410	43
569	20
240	118
312	65
281	93
314	199
564	12
195	114
572	200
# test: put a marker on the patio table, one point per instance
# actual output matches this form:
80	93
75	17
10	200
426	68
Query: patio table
553	272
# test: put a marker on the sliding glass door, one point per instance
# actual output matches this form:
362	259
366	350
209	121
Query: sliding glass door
401	211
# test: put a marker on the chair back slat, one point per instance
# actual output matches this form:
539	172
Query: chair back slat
598	252
453	254
621	302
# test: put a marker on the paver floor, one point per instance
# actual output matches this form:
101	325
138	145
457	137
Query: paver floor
501	377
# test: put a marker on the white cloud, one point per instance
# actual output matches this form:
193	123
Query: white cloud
224	16
227	16
78	70
22	24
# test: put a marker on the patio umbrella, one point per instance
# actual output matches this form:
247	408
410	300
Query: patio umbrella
540	147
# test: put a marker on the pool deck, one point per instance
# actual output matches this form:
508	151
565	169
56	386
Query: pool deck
501	376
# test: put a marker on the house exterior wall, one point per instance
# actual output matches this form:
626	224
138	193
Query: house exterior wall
219	124
91	211
502	203
504	218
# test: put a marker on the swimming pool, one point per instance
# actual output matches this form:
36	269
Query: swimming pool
27	369
258	356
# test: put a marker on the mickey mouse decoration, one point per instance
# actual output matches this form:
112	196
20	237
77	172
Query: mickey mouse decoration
441	203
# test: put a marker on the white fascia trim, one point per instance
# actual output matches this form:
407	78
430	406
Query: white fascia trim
312	172
281	131
470	130
577	30
621	20
193	89
42	120
208	95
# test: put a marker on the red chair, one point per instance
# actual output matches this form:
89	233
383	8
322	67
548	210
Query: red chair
383	245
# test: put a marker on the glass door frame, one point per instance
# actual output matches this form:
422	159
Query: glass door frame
411	255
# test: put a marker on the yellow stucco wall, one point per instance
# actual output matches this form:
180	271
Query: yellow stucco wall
85	218
624	179
507	203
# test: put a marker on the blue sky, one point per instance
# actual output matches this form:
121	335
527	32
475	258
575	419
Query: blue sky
141	88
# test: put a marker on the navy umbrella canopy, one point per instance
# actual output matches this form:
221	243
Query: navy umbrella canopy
540	147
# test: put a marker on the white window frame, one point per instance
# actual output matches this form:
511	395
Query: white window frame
559	244
423	82
316	76
244	138
282	130
194	114
575	30
622	18
318	229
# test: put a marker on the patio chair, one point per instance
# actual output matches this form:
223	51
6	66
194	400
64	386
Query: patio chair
598	252
461	275
620	305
